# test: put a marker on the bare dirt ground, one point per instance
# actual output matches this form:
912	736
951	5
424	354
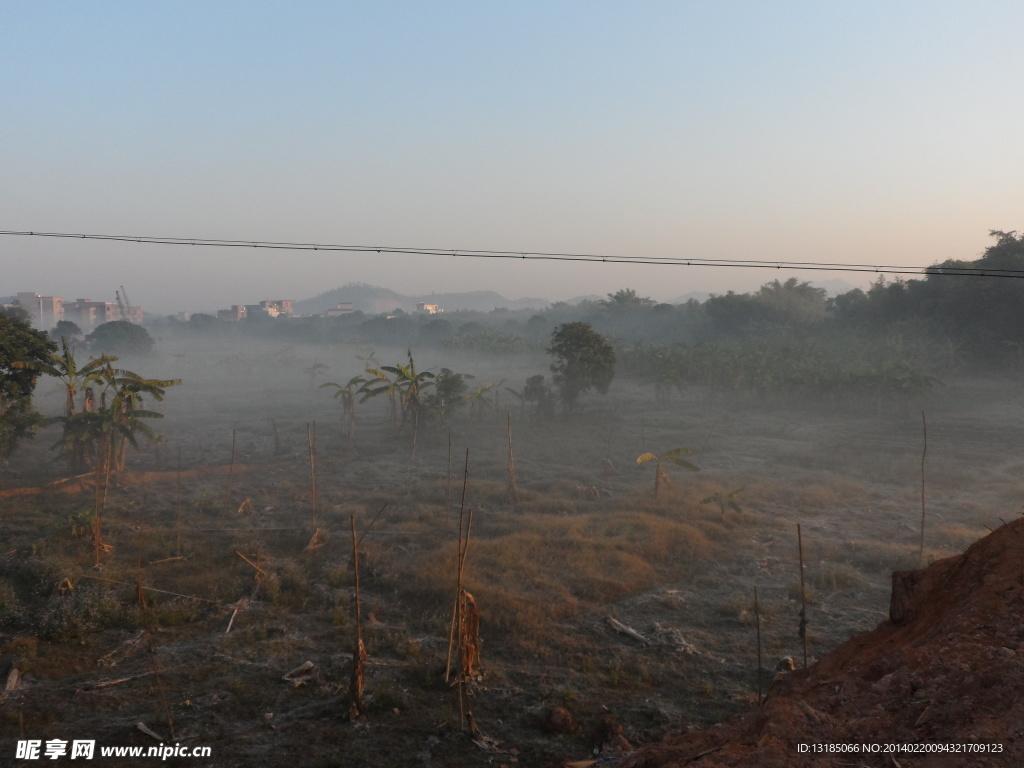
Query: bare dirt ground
587	543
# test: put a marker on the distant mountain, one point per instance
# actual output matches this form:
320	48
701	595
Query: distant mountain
478	301
700	296
374	300
370	299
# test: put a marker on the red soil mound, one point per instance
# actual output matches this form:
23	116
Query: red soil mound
947	668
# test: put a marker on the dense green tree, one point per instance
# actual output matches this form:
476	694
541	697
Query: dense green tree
584	360
65	329
536	391
16	312
790	305
626	300
23	352
449	390
435	330
119	337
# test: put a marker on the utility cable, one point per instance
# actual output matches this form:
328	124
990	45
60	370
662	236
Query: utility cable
676	261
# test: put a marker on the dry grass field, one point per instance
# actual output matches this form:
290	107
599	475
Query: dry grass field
143	637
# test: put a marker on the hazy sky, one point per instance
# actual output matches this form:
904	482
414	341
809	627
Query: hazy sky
881	132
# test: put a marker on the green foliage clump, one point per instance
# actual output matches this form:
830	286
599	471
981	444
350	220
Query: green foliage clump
23	351
119	337
584	360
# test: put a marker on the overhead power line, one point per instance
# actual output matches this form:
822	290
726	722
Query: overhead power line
672	261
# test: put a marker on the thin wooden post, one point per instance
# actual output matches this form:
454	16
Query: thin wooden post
513	491
803	594
103	467
448	488
757	618
231	471
924	453
458	572
356	707
314	500
177	514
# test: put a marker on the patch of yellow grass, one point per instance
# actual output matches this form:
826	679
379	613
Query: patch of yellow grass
531	571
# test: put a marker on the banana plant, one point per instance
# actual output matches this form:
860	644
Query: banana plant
724	501
76	378
315	371
480	399
407	387
347	394
382	384
671	456
128	389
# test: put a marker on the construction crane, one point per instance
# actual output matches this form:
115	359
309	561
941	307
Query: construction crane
124	305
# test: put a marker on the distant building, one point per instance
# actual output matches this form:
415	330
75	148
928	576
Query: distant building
278	307
343	308
87	314
269	308
44	311
429	309
236	313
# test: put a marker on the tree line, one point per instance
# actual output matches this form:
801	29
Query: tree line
950	320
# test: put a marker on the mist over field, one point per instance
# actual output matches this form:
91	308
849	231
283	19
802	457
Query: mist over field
617	474
508	384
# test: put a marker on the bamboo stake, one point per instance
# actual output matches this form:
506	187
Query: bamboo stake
97	496
177	514
458	629
356	708
231	472
513	492
465	711
924	453
311	436
461	591
448	490
372	521
101	500
458	570
757	617
250	562
803	594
